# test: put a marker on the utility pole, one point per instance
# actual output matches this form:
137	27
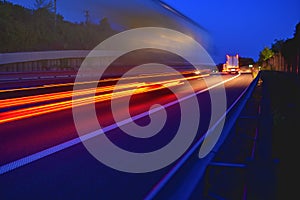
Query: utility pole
55	17
87	16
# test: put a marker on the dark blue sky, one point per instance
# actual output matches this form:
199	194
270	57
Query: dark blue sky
235	26
243	27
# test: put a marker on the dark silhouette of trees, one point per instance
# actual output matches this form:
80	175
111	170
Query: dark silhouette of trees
243	61
291	51
283	54
23	29
43	4
277	46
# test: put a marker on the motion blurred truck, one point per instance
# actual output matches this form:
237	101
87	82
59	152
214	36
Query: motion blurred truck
232	64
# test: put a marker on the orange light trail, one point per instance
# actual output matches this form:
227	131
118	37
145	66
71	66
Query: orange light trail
6	103
90	82
121	90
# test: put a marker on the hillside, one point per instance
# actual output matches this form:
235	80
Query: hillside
23	29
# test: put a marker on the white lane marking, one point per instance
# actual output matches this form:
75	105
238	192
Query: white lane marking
36	77
9	79
44	77
36	156
28	78
62	76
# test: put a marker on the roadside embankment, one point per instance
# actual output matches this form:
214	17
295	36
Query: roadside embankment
283	91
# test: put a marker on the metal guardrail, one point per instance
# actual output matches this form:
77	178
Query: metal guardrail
48	60
17	57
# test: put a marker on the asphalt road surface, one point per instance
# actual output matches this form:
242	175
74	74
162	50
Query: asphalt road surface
43	157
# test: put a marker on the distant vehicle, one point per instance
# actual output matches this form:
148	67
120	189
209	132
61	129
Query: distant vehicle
232	64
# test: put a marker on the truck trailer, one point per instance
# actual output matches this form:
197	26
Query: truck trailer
232	64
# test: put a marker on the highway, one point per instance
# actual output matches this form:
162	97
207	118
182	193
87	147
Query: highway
43	157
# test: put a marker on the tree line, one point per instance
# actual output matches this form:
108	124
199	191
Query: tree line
41	29
286	50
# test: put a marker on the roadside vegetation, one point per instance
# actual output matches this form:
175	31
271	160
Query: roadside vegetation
281	82
40	29
282	55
